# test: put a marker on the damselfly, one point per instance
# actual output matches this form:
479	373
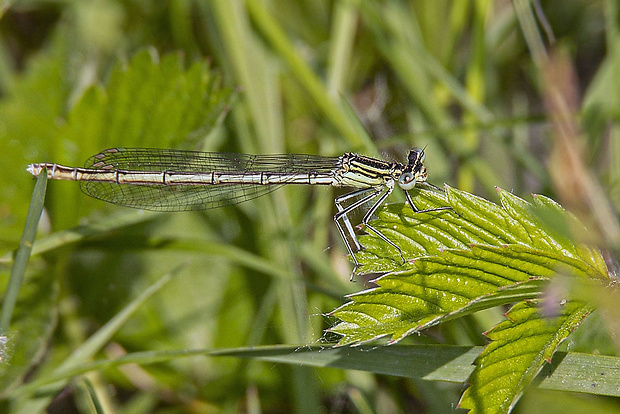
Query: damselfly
176	180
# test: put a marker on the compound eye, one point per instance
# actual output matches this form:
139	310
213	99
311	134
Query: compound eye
416	156
421	154
406	181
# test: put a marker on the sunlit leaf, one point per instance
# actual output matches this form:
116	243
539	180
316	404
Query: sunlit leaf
475	256
516	354
454	258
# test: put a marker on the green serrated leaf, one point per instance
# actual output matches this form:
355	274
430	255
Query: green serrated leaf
473	220
160	103
539	234
456	257
438	286
30	106
565	227
518	350
475	256
148	102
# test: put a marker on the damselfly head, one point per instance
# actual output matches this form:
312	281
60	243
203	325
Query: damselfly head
415	171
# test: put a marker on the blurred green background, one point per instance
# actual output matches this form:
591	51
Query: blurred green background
475	82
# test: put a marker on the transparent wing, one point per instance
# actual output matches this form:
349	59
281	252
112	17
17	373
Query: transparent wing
160	197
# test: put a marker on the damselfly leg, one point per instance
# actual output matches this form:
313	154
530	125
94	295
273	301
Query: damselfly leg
428	210
368	195
342	214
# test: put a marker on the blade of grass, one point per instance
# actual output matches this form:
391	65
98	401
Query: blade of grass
401	45
529	29
267	25
568	371
341	46
595	374
23	252
262	125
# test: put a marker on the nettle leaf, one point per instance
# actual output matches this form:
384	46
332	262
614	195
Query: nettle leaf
149	101
157	101
516	354
476	256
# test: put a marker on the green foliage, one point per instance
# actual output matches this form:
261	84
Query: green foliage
516	354
35	398
31	105
78	77
148	102
475	256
